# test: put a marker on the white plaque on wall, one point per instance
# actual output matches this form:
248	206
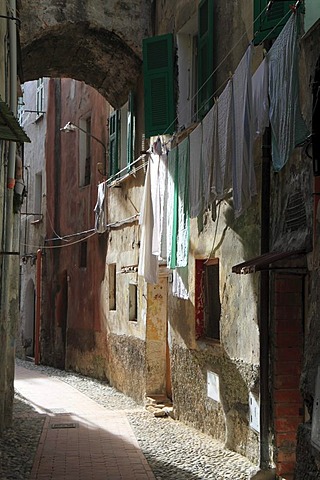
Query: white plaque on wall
213	390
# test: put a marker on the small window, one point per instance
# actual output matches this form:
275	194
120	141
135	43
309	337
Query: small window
112	287
83	255
85	152
40	97
208	306
187	47
38	197
205	57
268	25
133	303
114	142
122	138
20	111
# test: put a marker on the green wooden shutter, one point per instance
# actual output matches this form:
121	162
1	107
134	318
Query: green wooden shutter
266	23
130	129
114	143
158	85
205	57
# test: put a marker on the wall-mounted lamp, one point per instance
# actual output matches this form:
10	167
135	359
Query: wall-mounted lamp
71	127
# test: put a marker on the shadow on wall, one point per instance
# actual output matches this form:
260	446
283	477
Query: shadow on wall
227	421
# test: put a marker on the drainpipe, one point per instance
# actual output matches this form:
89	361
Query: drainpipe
264	305
38	308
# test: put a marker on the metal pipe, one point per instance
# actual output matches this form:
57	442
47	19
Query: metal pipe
264	306
13	91
38	308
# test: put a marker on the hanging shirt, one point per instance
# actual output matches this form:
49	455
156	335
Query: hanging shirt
100	224
287	125
243	176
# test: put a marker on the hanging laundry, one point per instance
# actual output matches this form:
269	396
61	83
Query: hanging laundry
206	158
155	200
148	263
287	125
260	100
180	284
222	143
171	207
182	204
243	176
158	173
163	181
100	209
195	173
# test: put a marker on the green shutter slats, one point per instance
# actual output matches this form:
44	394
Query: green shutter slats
268	25
158	65
113	143
205	57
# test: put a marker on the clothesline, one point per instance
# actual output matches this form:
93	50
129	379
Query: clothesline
219	155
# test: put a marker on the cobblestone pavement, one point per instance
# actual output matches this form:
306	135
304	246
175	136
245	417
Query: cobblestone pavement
174	451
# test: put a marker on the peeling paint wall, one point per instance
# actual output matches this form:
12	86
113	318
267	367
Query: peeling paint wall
156	337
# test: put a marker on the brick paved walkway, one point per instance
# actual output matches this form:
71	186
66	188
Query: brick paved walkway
80	440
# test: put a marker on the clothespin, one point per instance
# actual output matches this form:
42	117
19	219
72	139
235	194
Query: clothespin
295	6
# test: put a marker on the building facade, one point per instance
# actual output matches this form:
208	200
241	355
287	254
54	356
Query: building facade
202	286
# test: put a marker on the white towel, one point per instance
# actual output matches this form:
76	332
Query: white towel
195	173
148	263
243	176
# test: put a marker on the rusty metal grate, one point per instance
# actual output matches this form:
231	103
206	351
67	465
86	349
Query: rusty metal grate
63	425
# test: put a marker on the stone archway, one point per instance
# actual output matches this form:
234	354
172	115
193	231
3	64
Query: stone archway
95	41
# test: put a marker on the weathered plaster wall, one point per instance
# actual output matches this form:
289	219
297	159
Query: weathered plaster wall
156	337
235	360
72	321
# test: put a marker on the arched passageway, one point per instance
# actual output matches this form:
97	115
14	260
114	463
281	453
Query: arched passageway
94	41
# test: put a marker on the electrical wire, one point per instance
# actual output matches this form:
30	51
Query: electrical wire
50	247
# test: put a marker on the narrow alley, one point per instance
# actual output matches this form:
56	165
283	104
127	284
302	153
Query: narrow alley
67	426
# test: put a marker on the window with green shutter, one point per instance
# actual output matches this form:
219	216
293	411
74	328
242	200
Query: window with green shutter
205	57
268	25
114	143
158	67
